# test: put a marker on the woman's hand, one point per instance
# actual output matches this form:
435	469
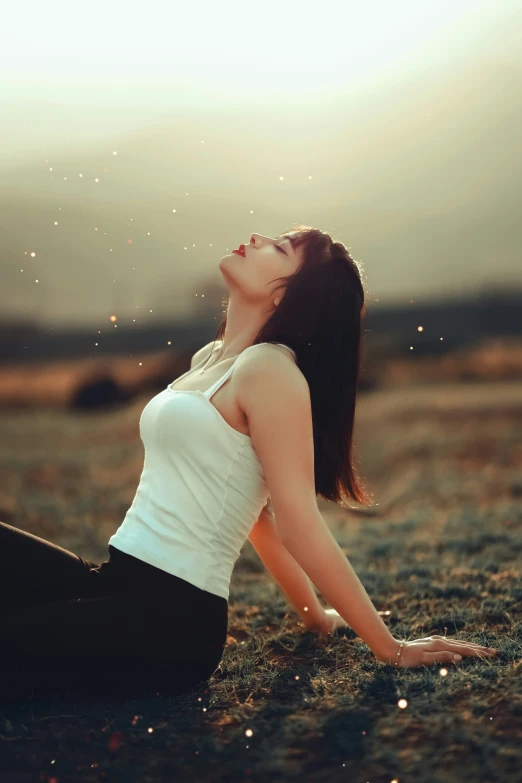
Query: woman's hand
330	620
435	649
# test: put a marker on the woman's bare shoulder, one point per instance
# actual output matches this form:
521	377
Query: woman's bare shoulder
268	361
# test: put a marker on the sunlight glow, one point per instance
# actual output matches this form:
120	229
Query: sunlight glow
347	44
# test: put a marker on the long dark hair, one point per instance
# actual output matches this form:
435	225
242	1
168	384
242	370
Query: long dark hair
319	317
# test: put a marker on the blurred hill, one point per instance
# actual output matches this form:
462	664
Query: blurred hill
459	321
474	339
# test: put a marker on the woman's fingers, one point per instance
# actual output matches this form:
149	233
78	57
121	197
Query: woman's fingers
443	656
462	650
460	644
437	649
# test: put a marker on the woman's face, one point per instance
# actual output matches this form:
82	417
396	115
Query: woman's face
265	260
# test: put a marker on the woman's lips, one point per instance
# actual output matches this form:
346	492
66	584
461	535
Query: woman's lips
240	251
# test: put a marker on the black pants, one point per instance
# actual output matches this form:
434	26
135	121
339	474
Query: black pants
120	629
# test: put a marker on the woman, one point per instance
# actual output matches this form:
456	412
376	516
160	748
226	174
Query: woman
223	461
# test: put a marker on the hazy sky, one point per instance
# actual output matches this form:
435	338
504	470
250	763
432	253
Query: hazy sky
396	127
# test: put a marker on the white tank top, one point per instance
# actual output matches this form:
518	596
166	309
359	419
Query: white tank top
201	489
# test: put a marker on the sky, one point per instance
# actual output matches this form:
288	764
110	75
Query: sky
140	144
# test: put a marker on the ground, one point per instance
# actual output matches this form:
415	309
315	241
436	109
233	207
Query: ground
440	550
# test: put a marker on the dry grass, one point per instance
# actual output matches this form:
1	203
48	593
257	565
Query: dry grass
441	551
492	360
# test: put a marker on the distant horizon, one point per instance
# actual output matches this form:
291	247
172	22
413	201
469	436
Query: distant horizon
435	302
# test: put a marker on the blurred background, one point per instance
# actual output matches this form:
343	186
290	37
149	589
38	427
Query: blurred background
140	146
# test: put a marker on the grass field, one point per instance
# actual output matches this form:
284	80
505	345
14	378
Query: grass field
441	550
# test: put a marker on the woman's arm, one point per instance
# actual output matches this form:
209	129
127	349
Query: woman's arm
286	571
313	546
281	429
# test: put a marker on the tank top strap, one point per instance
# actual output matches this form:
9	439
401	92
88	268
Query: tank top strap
209	392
